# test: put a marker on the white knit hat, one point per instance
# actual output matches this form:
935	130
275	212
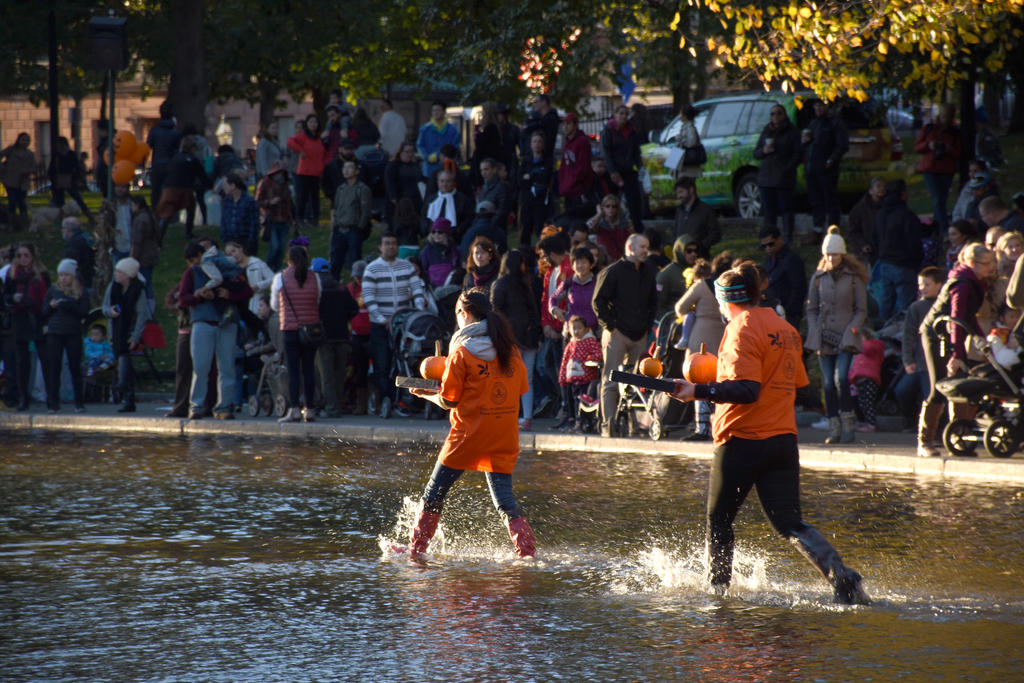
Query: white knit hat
69	266
128	266
833	242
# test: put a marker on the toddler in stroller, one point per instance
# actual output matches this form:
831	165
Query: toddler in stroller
579	371
994	389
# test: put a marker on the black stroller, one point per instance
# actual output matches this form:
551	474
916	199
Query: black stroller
413	335
996	393
655	411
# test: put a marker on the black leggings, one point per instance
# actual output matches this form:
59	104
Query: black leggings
773	466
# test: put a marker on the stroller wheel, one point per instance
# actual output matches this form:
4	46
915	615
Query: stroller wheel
267	403
1001	439
280	405
961	437
254	406
655	430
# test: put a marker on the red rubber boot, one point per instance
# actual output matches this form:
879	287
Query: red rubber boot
522	536
423	531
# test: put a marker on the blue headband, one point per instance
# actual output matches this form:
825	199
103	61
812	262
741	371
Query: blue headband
733	294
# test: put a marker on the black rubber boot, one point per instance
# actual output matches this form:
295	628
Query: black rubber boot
846	588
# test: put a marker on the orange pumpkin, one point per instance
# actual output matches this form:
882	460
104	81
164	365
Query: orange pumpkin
701	367
432	367
650	367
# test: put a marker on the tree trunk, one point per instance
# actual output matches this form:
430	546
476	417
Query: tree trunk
1016	123
187	90
268	102
967	132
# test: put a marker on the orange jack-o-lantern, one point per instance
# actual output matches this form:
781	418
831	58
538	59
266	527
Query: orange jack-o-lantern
650	367
432	367
701	367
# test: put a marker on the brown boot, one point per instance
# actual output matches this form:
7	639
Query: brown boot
927	426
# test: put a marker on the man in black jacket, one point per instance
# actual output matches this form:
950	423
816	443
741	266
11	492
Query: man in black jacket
696	221
77	247
625	301
620	144
788	279
164	140
337	308
826	141
898	250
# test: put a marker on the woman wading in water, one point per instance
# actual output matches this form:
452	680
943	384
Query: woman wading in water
754	430
484	377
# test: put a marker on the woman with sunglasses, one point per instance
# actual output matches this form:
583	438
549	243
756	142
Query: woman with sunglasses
25	290
611	227
483	377
759	369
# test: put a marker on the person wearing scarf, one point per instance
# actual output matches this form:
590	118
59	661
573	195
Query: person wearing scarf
483	377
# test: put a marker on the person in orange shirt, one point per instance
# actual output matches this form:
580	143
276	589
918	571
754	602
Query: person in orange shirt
754	429
484	377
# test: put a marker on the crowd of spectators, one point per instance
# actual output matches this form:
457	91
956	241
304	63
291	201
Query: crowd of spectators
584	288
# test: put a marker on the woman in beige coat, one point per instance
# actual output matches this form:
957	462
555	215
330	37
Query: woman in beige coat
836	311
708	328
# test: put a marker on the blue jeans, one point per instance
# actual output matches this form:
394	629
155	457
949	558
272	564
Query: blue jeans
207	341
443	478
835	371
278	240
346	247
895	287
529	358
938	185
380	354
911	391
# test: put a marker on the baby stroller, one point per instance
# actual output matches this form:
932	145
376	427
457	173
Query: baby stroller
996	393
413	336
271	395
656	412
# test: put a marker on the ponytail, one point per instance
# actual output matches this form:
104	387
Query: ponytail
476	302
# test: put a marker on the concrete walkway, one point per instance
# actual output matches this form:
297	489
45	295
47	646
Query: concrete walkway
878	452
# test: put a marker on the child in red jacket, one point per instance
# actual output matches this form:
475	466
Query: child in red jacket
574	372
866	377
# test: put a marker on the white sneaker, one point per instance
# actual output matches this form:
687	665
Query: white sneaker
820	424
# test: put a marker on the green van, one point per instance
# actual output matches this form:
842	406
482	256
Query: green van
729	128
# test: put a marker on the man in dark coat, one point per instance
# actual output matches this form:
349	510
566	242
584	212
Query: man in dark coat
779	151
620	144
788	279
861	235
696	221
77	247
899	252
625	301
825	141
164	140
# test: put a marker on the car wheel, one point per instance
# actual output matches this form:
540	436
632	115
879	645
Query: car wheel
748	197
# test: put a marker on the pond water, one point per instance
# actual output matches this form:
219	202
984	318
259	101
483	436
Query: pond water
228	559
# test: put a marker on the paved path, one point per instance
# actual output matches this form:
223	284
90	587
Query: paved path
878	452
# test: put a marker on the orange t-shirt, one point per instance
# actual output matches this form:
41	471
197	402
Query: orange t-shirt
760	346
485	423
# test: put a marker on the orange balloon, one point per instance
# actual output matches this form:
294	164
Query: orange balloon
701	367
124	145
140	153
123	172
650	367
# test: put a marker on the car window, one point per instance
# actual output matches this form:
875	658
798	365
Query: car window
760	115
723	119
701	119
670	135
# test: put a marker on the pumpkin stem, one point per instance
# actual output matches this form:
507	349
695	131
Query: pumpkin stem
437	347
702	347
